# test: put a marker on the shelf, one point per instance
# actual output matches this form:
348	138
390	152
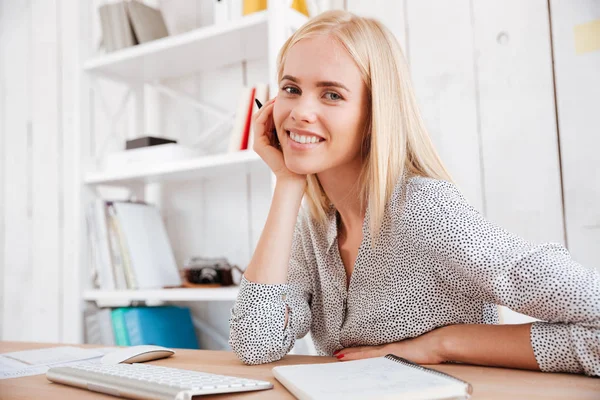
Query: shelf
200	49
121	298
184	170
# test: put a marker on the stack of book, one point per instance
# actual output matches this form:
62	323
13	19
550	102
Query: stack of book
129	247
242	134
167	326
127	23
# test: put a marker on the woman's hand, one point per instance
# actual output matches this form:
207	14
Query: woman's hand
265	143
424	349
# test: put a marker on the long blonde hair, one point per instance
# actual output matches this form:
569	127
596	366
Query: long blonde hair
395	139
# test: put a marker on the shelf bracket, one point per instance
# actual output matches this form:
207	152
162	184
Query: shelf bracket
185	98
114	119
223	116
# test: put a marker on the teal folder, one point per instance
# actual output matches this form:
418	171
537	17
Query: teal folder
120	330
167	326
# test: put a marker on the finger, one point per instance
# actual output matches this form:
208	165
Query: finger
359	355
262	115
353	349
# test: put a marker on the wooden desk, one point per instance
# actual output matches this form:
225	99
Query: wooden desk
488	383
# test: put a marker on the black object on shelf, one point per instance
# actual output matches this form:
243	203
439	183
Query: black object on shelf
146	141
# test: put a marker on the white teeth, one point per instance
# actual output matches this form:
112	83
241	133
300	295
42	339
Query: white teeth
303	139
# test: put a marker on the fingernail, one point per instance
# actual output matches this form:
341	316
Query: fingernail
340	356
335	352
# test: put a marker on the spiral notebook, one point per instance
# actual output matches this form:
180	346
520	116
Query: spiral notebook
388	377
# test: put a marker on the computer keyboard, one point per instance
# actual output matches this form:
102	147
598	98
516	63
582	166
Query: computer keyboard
146	381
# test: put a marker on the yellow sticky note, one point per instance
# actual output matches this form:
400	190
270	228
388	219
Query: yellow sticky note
587	37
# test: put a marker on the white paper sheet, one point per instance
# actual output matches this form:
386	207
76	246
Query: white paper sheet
36	362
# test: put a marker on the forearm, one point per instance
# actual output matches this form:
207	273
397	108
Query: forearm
491	345
269	264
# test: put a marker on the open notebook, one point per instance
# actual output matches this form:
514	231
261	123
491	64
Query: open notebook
388	377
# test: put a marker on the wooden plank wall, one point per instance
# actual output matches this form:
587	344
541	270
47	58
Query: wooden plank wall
18	285
2	156
577	93
483	75
38	164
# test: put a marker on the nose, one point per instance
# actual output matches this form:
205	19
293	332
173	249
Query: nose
304	111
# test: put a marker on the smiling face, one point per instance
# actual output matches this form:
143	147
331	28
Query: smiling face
321	108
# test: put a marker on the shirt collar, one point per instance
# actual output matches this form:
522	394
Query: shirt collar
331	227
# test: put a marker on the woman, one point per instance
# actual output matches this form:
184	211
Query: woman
389	257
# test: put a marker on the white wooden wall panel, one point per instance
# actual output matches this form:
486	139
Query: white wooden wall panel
442	68
577	79
391	13
69	160
45	158
2	159
518	122
18	285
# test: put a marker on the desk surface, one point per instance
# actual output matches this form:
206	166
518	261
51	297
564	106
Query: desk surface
488	383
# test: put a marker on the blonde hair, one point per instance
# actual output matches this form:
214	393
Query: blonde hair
395	140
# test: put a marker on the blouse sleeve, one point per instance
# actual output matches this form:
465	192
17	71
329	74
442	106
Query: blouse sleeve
257	332
484	261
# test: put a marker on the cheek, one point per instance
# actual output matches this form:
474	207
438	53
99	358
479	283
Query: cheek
348	129
278	115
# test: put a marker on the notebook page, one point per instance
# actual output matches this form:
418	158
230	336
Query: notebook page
370	378
36	362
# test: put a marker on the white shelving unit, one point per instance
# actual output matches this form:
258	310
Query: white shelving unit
257	36
242	40
121	298
185	170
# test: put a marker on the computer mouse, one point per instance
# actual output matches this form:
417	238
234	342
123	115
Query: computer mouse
137	354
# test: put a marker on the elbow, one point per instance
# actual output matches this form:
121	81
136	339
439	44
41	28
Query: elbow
254	348
251	353
253	358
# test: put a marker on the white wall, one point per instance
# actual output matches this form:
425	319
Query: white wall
38	159
483	74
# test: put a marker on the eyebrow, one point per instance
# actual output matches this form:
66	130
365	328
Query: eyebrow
319	84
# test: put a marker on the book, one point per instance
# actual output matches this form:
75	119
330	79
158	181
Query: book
128	23
167	326
243	118
145	157
119	328
116	249
147	22
248	124
105	23
104	258
300	6
388	377
98	327
252	6
149	253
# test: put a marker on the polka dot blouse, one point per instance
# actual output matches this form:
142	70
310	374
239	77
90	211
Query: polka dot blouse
438	262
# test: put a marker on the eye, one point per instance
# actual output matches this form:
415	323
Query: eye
333	96
290	89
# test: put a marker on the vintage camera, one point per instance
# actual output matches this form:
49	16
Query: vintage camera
209	271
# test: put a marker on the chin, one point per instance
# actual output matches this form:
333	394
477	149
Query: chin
302	167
